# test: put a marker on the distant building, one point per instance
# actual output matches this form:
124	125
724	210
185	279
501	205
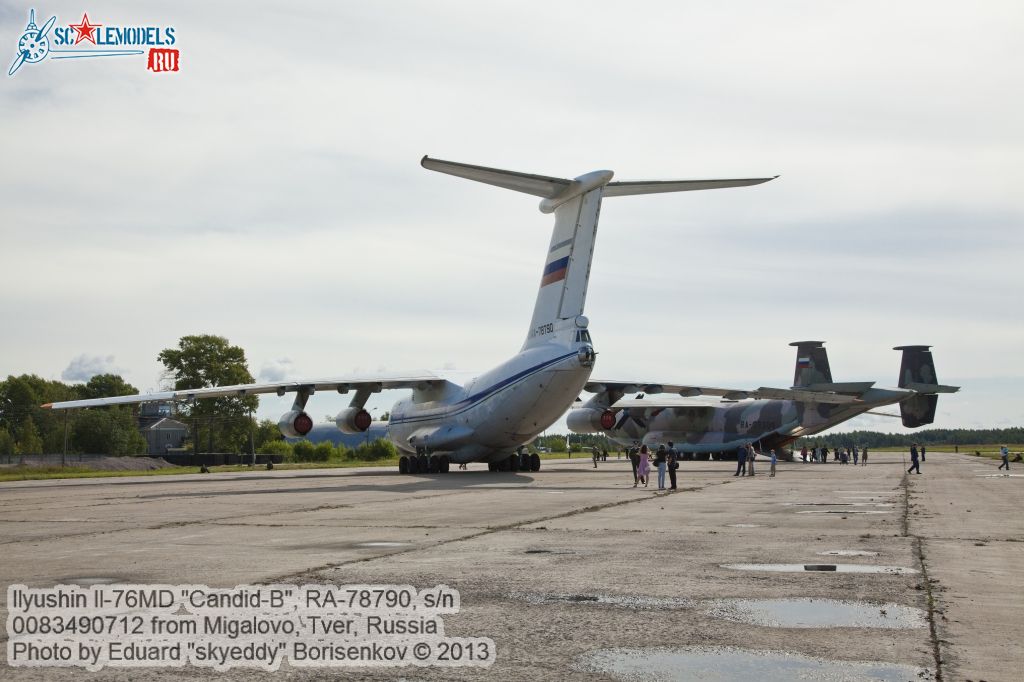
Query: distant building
151	413
163	435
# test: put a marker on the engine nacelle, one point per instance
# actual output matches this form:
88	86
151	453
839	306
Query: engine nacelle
353	420
590	420
295	424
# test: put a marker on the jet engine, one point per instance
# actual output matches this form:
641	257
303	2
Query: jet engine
353	420
295	424
590	420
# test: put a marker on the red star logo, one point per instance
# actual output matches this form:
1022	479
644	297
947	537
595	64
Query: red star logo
85	30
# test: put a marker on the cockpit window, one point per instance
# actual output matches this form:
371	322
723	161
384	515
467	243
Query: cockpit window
584	336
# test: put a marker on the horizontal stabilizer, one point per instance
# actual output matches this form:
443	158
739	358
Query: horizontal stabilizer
931	388
633	187
537	185
561	190
841	387
804	396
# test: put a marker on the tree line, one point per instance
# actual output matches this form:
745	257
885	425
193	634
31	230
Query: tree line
877	439
199	361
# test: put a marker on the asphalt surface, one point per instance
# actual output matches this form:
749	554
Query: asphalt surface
558	565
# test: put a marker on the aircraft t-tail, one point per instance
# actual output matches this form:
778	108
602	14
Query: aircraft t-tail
488	418
771	418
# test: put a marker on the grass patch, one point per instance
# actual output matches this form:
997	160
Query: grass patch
23	473
988	450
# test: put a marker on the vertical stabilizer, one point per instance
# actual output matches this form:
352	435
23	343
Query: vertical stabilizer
811	364
916	366
917	373
563	283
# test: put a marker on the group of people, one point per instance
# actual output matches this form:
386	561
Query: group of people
745	461
843	455
666	460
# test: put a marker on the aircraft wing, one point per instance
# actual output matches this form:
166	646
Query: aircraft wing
686	391
373	383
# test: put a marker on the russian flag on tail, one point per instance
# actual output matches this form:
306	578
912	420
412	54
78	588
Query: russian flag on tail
803	363
555	271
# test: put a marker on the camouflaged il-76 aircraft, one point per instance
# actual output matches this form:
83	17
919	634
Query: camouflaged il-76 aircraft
770	418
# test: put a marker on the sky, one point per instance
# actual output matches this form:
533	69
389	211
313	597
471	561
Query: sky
270	190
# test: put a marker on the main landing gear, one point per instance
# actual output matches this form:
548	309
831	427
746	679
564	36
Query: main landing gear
423	464
520	461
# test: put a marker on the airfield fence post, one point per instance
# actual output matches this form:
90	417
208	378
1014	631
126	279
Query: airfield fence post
252	441
64	455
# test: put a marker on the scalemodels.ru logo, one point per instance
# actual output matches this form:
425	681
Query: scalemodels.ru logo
88	40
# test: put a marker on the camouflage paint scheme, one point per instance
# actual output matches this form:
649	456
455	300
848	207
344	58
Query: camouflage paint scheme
703	426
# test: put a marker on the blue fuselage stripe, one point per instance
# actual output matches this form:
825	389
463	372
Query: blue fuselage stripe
477	398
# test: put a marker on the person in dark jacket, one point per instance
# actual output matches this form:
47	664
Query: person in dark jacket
915	463
673	464
741	461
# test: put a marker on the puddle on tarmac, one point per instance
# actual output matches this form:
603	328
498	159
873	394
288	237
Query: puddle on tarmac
745	525
837	504
839	568
623	601
847	552
999	476
384	544
812	613
92	580
726	663
843	511
865	492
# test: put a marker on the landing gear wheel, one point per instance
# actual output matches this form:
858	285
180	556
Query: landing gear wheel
403	464
524	461
414	464
423	464
432	464
443	463
534	461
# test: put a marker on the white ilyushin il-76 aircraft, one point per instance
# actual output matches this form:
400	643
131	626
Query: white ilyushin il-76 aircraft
488	418
771	418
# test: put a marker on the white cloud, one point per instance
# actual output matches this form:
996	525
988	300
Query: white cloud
85	367
276	370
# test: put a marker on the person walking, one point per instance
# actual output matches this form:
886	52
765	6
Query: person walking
750	460
922	451
741	461
864	457
634	461
643	469
803	453
595	455
774	460
673	464
915	463
1004	452
855	454
661	461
